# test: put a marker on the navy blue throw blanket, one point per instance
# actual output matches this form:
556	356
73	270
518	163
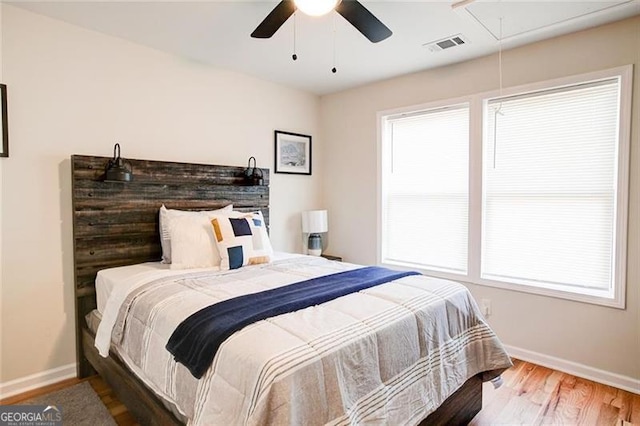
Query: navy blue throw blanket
196	340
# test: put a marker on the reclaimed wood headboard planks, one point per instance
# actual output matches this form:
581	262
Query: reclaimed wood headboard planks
116	224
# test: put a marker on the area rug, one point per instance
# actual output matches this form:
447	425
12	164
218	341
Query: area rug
80	406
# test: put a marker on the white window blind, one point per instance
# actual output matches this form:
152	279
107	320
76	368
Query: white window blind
549	186
425	189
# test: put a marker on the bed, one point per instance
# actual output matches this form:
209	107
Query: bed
116	226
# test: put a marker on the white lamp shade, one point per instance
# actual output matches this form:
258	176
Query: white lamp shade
314	221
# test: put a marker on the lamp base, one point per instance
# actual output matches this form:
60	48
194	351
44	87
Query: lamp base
314	248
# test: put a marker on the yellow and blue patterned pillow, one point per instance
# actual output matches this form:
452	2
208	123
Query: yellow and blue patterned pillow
241	240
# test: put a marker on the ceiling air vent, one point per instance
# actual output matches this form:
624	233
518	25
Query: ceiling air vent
446	43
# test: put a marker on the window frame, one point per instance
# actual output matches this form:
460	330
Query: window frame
615	296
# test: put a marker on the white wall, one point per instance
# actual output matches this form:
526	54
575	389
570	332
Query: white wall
597	337
74	91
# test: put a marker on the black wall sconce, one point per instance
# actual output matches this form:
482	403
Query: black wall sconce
253	175
118	170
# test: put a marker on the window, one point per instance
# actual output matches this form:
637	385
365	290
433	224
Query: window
426	189
549	186
532	198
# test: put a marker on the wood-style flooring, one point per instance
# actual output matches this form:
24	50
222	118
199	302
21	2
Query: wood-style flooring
535	395
118	411
530	395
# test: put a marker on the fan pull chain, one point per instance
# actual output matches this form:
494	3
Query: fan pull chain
334	69
295	55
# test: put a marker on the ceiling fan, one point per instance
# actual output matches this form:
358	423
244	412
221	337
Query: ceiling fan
351	10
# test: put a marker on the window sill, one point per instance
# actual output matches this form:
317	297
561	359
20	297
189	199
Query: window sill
591	296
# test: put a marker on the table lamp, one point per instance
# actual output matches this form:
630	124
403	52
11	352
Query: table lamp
314	222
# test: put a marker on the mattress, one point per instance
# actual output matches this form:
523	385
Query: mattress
386	355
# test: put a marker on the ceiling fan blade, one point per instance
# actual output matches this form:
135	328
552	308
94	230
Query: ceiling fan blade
275	19
364	21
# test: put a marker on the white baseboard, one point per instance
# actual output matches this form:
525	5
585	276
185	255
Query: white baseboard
38	380
576	369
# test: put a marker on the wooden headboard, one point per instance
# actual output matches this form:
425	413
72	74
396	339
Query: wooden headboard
116	224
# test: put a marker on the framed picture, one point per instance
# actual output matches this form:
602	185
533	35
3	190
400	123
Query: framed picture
293	153
4	129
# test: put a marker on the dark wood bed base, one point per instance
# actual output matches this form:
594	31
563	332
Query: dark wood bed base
116	224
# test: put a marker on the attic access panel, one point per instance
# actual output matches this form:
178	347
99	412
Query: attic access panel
519	17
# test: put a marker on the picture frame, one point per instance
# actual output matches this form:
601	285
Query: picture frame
4	129
292	153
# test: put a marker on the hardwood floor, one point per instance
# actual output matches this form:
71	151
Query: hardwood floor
530	395
535	395
117	409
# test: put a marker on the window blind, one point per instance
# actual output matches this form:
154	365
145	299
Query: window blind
549	186
425	189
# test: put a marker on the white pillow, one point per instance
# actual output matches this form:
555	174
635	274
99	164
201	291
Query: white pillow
241	240
192	242
167	215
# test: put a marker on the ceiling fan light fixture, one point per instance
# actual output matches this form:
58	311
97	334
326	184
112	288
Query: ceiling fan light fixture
316	7
351	10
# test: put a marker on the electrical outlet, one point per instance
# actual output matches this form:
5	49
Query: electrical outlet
486	307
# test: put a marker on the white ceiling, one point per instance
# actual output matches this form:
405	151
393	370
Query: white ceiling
217	33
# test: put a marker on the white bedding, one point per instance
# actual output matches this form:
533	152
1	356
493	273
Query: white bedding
108	279
125	276
386	355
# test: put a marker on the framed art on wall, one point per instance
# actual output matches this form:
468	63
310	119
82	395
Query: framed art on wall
293	153
4	130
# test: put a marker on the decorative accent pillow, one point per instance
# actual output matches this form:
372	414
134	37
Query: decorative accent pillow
241	240
167	215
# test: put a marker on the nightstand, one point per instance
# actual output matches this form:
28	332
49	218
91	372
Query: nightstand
330	257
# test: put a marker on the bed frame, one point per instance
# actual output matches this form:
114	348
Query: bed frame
116	224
